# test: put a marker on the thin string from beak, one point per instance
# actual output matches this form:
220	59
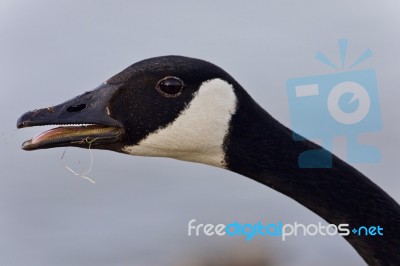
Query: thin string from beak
83	174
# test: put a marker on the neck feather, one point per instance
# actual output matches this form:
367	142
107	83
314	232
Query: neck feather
261	148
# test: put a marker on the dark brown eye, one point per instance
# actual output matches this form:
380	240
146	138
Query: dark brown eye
170	86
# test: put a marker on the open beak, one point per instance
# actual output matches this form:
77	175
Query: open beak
85	122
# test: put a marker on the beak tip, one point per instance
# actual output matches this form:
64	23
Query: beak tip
28	118
22	121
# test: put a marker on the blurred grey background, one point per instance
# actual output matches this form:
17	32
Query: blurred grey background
138	210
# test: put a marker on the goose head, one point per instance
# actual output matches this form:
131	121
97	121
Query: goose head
170	106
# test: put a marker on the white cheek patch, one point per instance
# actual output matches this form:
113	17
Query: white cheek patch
198	133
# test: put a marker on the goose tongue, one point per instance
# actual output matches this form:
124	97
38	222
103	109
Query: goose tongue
73	135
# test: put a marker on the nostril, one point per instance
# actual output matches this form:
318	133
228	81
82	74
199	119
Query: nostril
76	108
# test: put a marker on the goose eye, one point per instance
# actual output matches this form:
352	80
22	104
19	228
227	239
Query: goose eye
170	86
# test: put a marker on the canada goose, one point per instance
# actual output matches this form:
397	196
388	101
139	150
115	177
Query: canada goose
192	110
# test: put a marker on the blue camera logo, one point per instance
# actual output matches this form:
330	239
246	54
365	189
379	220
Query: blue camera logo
339	104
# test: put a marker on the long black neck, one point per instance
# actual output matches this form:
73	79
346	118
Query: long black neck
261	148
